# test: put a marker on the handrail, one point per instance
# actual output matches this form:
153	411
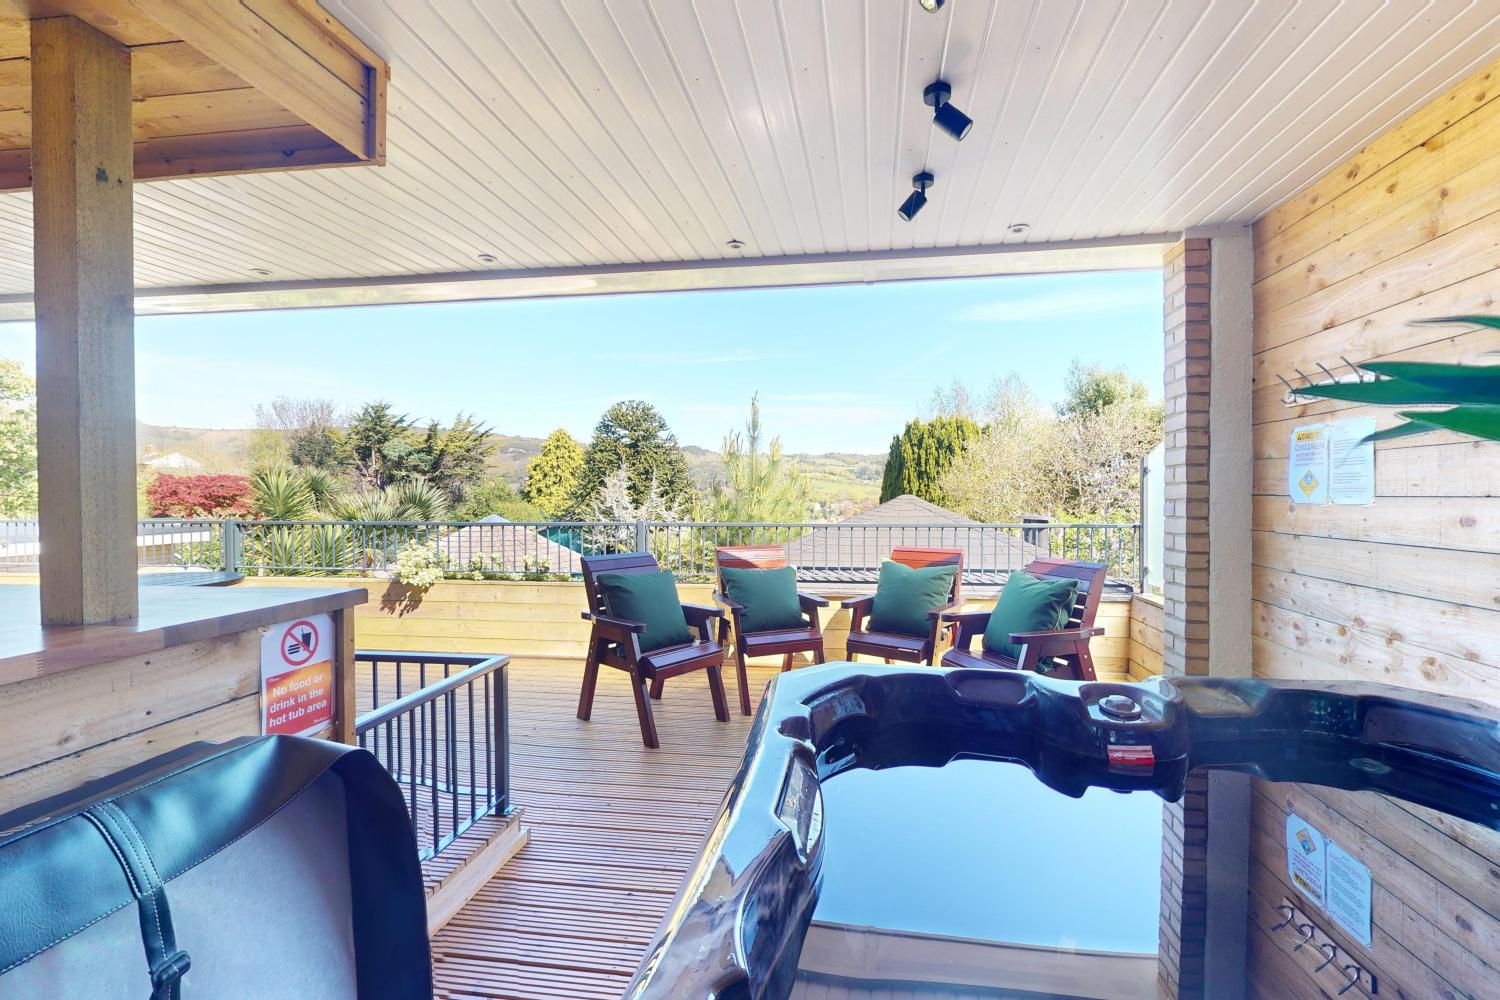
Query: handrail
431	692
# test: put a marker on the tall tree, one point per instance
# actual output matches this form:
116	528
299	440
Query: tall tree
453	459
308	429
920	455
759	485
18	482
380	444
552	476
634	435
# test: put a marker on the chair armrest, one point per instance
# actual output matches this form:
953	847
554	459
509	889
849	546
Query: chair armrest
618	629
724	600
812	600
861	604
701	617
1046	635
966	625
944	611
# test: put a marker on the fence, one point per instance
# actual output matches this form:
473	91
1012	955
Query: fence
444	739
822	552
161	543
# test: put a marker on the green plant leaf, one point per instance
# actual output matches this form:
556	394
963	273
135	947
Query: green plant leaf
1408	428
1464	383
1490	321
1382	392
1476	421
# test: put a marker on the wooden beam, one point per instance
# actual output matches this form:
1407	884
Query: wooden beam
81	165
288	55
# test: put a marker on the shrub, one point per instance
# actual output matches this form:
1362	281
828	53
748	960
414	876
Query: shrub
419	565
198	496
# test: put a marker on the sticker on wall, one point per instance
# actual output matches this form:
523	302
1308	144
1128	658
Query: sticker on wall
296	675
1349	893
1307	858
1351	461
1307	464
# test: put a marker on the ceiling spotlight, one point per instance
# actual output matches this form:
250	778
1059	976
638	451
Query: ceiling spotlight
735	244
260	272
930	6
486	258
914	202
1017	228
944	115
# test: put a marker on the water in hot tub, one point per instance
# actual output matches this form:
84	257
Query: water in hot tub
928	871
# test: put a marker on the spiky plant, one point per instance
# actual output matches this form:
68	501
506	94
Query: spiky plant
419	500
322	486
1471	392
278	493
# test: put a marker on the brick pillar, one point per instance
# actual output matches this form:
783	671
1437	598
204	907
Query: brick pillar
1207	380
1187	326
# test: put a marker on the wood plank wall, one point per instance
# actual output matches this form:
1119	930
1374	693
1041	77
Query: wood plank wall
1406	591
539	621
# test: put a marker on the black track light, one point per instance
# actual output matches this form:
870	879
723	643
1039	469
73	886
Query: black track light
914	202
930	6
944	115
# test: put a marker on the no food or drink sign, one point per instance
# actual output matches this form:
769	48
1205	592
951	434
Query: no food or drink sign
296	671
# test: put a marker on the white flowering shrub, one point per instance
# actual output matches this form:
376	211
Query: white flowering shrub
419	565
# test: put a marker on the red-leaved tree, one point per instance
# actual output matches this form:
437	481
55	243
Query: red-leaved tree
198	496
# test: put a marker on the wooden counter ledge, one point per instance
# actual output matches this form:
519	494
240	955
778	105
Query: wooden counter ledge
170	616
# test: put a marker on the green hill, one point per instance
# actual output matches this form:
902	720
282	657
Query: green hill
843	482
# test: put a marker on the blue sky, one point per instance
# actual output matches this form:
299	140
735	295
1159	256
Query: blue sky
838	368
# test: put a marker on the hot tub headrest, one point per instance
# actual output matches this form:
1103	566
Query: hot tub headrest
267	867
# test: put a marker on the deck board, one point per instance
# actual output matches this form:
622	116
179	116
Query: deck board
614	829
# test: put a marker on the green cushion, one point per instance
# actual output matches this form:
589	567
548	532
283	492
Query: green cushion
651	599
1028	604
769	597
903	596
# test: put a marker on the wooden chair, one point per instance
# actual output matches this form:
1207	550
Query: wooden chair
616	643
889	645
785	642
1066	649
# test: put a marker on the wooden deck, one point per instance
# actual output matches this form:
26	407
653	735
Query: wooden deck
614	827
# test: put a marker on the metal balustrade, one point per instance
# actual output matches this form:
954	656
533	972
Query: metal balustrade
834	553
439	723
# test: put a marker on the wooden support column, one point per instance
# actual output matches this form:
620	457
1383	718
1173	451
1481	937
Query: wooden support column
81	178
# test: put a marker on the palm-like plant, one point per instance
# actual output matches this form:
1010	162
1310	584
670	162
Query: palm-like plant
1471	392
279	493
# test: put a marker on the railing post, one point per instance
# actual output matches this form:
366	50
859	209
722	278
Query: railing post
231	545
501	736
640	536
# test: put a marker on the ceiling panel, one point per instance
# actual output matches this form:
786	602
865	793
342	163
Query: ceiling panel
556	135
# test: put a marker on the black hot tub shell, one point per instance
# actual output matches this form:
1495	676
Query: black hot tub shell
738	926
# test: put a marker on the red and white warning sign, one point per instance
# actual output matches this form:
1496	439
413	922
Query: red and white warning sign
296	672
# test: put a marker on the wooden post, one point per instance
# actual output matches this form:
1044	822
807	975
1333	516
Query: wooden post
345	707
81	174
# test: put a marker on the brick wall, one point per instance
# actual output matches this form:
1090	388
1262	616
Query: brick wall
1187	329
1186	325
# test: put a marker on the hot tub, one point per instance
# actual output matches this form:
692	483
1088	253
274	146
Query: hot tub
896	832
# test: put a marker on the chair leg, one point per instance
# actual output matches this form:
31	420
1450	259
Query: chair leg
656	688
590	681
742	675
818	656
716	688
1086	665
786	662
643	711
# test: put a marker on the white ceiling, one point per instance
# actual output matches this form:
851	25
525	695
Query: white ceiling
574	135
